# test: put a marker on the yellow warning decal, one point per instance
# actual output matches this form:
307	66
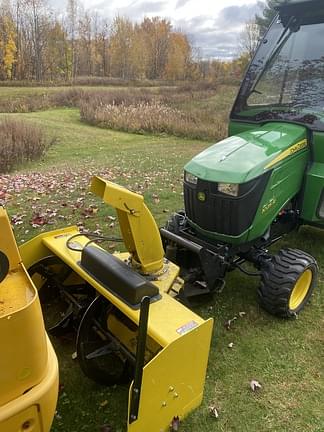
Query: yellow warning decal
292	150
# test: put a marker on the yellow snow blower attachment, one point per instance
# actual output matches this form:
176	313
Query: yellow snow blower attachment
28	365
129	324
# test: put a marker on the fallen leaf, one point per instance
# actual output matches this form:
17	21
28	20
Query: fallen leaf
38	220
242	314
213	411
255	385
104	403
230	345
74	356
228	323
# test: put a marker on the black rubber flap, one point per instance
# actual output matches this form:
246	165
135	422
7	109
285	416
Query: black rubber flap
116	276
4	266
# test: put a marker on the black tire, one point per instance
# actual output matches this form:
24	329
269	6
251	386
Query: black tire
287	282
99	356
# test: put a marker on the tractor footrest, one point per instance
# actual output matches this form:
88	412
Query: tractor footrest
117	277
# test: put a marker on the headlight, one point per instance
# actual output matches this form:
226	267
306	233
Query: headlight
190	178
229	189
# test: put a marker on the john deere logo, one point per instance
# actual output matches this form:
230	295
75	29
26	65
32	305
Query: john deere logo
201	196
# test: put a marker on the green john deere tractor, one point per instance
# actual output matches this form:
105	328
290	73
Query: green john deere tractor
246	192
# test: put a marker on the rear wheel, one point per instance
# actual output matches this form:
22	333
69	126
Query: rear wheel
287	282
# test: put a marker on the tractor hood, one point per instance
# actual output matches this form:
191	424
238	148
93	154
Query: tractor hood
245	156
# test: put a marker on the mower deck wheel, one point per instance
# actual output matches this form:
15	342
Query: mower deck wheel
287	282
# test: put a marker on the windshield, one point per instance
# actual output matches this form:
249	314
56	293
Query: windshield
286	78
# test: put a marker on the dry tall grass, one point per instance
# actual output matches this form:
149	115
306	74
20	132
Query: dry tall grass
149	117
20	142
186	111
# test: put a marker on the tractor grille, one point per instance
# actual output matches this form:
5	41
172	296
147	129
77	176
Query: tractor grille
220	213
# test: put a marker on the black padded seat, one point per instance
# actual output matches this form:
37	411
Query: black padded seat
116	276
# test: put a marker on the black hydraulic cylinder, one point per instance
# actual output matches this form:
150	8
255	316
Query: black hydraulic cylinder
140	359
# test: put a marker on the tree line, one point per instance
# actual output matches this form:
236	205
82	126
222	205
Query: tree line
39	44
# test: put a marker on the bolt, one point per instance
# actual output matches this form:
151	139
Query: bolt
175	395
164	404
26	425
171	389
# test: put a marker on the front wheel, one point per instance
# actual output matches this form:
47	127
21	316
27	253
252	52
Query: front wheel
287	282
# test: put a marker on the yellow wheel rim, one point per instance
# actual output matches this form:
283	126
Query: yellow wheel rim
300	289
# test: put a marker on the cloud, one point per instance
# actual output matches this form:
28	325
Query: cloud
181	3
218	36
237	15
136	10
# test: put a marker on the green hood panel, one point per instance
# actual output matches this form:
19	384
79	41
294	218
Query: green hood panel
243	157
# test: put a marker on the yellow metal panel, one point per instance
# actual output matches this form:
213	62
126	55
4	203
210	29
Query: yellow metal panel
22	421
140	232
43	395
173	381
160	328
35	249
22	341
117	196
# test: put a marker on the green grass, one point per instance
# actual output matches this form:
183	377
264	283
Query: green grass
286	357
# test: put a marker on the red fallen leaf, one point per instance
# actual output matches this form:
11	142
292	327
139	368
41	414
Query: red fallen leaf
39	220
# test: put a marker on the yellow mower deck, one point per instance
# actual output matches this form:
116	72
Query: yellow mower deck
173	380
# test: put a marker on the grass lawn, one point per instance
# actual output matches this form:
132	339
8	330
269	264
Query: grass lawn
286	357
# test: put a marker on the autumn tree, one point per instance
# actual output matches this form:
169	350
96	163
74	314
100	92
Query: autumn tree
178	58
8	49
157	35
120	46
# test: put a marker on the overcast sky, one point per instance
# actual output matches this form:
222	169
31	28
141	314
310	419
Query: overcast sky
213	25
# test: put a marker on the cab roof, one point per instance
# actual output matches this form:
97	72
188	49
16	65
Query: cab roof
305	9
298	3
